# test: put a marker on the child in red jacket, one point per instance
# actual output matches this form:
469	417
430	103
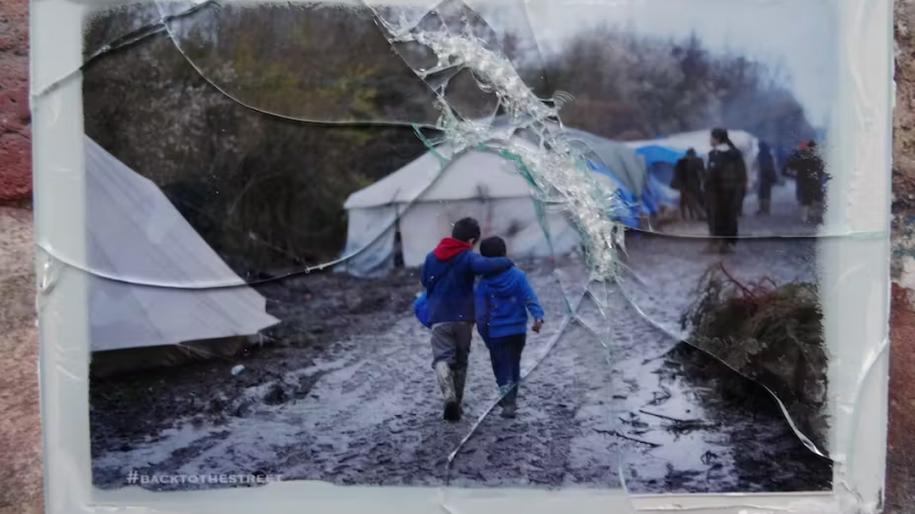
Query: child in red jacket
448	275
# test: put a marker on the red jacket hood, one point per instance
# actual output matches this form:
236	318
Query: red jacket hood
449	247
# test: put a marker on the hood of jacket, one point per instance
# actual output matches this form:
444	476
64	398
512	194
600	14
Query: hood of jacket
503	283
448	247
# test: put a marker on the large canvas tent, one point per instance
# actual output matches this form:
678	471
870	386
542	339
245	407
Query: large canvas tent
613	159
628	170
146	265
408	211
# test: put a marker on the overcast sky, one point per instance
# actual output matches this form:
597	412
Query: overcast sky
796	35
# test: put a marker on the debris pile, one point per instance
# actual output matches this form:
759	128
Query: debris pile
770	333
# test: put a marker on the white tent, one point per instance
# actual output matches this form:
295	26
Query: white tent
421	202
136	236
625	164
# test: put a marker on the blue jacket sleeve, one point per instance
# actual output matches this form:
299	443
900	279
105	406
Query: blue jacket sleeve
481	309
531	301
423	276
483	265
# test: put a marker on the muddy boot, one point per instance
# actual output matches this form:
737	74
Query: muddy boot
446	382
460	379
509	401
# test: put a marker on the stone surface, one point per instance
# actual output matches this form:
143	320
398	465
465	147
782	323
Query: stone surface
901	451
900	482
15	139
20	441
20	433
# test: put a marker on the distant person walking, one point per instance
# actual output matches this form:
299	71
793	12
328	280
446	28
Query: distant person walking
810	176
687	179
789	171
768	176
725	190
448	275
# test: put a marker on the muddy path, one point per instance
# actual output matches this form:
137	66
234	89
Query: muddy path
343	392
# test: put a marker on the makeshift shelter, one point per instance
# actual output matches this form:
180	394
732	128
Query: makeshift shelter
408	211
628	171
146	266
660	161
661	154
613	159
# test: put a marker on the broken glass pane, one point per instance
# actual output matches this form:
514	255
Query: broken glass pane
110	29
661	82
565	435
697	425
756	309
325	62
276	175
502	25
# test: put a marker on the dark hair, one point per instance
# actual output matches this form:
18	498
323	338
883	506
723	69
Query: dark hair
721	134
493	247
691	152
466	229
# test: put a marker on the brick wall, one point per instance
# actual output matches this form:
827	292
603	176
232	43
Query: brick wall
15	137
901	451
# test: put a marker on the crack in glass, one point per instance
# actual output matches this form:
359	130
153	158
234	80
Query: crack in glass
444	72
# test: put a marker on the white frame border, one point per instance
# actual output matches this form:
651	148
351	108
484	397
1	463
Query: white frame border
856	309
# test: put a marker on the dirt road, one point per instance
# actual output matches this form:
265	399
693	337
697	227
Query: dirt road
346	394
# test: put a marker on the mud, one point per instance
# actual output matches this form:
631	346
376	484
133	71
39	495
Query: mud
343	392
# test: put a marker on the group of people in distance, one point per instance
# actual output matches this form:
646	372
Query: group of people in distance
715	191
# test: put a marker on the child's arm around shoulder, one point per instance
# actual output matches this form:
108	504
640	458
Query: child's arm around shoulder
483	265
423	276
481	307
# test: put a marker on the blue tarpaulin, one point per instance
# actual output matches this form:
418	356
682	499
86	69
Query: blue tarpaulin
657	153
657	194
629	214
660	161
641	193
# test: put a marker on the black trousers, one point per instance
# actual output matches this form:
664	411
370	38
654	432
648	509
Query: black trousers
724	211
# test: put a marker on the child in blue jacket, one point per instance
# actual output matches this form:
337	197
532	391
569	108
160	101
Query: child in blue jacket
502	302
